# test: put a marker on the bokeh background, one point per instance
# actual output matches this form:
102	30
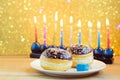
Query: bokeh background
17	24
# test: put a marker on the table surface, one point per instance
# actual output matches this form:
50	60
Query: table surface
18	68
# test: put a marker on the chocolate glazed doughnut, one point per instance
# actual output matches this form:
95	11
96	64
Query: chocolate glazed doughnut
81	54
56	59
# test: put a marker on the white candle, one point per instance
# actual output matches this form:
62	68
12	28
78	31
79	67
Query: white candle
56	19
90	32
71	21
36	29
79	32
55	27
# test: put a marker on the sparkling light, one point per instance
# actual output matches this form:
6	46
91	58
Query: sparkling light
16	20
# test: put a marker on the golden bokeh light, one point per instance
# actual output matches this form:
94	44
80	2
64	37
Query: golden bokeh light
17	23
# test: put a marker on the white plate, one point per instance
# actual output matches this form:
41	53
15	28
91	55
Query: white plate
94	67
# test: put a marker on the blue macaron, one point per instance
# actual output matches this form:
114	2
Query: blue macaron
82	67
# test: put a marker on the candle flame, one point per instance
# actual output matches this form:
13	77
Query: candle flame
98	24
35	19
61	22
71	19
107	22
56	16
79	23
44	18
89	24
68	1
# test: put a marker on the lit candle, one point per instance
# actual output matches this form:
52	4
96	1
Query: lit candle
108	33
54	36
90	32
44	20
98	26
71	21
61	32
79	32
55	27
36	32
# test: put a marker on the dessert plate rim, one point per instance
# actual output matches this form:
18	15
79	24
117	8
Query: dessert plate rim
96	66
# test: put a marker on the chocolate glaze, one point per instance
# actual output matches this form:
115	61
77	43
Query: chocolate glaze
57	53
80	49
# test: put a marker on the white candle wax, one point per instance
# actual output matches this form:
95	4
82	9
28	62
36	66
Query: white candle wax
71	33
36	30
90	33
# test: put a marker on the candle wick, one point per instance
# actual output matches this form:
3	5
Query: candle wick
90	37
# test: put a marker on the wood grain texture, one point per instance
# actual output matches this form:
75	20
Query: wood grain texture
18	68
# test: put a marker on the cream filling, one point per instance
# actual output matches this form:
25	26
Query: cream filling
85	60
54	65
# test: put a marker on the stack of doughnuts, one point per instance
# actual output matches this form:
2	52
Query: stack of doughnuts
61	60
81	54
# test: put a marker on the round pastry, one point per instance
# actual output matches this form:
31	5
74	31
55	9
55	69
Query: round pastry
56	59
81	54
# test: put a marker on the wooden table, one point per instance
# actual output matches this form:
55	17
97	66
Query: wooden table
18	68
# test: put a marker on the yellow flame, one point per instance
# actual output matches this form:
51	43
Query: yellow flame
79	23
56	16
35	19
107	22
89	24
44	18
98	24
61	22
71	19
